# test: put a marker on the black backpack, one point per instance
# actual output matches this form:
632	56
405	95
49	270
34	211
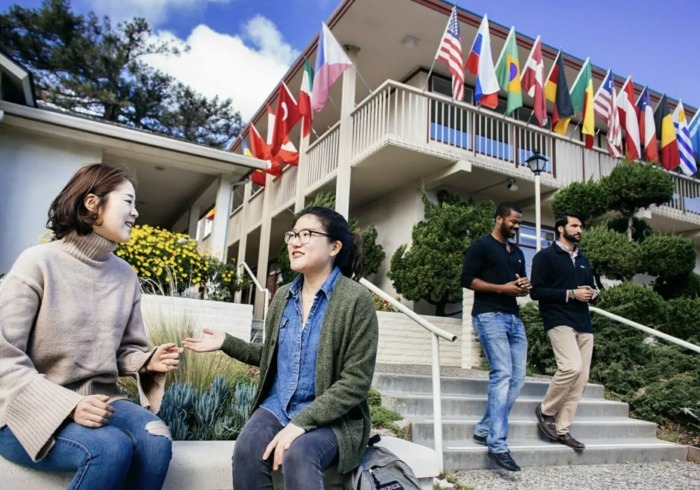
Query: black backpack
381	469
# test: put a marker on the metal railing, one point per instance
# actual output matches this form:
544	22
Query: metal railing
261	289
436	333
645	329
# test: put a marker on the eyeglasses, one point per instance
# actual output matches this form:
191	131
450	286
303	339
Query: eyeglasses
303	235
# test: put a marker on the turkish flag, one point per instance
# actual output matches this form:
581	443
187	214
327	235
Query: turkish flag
286	116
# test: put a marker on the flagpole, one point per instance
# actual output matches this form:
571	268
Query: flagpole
447	26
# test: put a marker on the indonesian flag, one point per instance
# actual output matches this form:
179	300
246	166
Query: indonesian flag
286	117
288	152
629	120
307	85
532	81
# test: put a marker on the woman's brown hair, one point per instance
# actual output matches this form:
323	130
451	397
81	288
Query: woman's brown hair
68	212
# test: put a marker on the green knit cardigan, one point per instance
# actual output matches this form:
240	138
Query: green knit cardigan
345	363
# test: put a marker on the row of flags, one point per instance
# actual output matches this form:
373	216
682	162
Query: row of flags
659	136
277	149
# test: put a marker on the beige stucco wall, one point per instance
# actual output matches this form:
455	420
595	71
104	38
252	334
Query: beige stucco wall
33	170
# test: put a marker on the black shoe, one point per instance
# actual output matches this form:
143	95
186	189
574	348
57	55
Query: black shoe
504	460
479	439
568	440
546	424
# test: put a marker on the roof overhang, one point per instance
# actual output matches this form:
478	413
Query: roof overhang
15	82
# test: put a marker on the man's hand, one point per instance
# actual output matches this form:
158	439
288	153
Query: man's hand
92	411
584	294
520	287
281	443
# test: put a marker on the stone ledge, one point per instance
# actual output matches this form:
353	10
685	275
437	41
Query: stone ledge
206	465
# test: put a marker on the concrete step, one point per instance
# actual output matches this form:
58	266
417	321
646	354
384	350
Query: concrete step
458	432
421	384
454	407
470	456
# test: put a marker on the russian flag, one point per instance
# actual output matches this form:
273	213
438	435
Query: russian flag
480	64
331	62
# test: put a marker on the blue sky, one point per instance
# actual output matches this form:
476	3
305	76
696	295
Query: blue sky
232	39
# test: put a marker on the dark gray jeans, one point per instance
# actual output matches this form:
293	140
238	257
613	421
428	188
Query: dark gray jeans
302	466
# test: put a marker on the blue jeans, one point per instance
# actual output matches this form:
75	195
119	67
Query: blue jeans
502	337
133	450
302	466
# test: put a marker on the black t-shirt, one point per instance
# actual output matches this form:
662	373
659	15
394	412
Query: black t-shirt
487	259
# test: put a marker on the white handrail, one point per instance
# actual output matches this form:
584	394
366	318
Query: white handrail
436	333
261	289
643	328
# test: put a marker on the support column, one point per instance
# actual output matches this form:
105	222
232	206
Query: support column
264	247
243	239
224	194
193	221
302	174
343	174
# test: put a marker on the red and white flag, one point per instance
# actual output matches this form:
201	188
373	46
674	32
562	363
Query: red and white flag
605	107
532	81
629	119
288	152
450	53
286	117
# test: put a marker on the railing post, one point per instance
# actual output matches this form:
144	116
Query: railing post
437	401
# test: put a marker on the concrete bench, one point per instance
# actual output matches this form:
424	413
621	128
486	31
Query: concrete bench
206	465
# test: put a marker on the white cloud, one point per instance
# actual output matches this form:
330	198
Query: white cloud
244	67
154	11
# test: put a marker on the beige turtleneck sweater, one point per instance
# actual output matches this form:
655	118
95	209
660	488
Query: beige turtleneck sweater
70	324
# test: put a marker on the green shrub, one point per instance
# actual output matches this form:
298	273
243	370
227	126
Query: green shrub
587	199
683	319
540	357
678	287
611	254
382	417
640	228
668	255
634	185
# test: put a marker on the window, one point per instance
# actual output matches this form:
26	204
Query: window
526	240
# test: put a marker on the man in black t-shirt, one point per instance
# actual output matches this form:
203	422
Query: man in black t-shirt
494	269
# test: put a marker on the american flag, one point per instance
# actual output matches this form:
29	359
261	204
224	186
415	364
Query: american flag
450	53
605	107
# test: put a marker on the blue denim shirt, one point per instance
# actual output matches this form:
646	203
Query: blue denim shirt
294	387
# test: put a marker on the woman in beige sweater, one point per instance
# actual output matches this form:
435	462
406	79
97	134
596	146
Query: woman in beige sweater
70	324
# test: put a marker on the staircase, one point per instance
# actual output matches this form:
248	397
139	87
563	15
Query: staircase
603	425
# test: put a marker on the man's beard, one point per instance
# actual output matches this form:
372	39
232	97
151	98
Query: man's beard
572	238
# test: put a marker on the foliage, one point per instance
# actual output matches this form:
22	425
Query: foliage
84	64
640	228
668	255
677	287
610	253
382	417
430	268
683	319
170	262
540	357
587	199
372	252
382	305
635	185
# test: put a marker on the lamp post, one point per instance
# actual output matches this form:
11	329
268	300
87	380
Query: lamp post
537	163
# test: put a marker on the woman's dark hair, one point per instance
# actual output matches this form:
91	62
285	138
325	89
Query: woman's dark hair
68	212
349	259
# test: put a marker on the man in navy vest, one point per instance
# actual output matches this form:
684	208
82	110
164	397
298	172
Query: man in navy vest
494	268
563	283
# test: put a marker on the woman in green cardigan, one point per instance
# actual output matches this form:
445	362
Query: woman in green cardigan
316	363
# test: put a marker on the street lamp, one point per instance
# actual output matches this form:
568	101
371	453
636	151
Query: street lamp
537	163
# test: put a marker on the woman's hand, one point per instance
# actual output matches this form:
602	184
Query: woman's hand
281	443
92	411
165	359
212	340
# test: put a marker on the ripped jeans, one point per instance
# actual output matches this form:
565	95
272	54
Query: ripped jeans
133	450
